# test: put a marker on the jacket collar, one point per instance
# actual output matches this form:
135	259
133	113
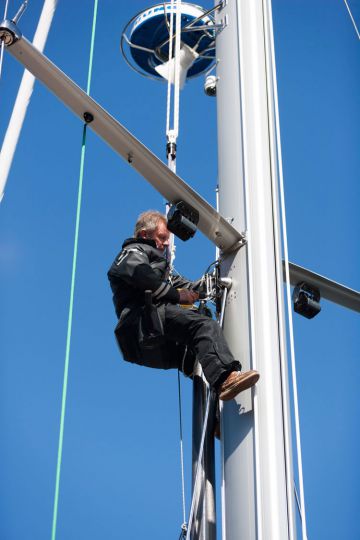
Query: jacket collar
139	241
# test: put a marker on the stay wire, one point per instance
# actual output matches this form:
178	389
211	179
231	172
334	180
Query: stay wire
72	289
182	453
352	19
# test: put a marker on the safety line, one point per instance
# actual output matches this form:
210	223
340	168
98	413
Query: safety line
72	290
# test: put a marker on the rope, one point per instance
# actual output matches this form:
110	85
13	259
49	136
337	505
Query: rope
72	289
352	19
2	43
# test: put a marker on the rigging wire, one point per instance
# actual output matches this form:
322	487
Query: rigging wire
3	43
198	466
352	19
171	136
184	526
72	287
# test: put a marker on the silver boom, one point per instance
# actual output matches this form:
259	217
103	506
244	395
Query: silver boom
170	185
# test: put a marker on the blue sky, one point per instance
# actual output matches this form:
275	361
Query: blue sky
120	472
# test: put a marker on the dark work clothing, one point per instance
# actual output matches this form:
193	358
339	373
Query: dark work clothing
205	338
139	267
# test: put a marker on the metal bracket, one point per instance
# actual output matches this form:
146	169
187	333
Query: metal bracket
9	33
223	23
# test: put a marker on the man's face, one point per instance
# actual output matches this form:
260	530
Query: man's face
161	236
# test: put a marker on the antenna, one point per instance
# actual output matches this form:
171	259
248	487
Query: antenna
145	40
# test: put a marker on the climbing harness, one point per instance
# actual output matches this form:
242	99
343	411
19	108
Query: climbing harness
72	288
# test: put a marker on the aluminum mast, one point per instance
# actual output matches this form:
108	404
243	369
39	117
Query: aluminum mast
257	470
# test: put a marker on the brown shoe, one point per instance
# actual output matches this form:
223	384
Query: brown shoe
237	382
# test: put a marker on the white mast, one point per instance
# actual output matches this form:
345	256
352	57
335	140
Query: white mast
23	98
258	500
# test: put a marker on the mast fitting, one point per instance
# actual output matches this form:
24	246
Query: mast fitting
9	33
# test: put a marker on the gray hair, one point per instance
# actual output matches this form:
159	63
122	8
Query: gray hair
148	221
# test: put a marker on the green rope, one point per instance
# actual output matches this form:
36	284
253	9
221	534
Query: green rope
72	289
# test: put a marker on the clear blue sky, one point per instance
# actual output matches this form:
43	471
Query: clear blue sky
120	472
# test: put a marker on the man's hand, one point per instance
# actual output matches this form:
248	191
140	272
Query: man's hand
187	297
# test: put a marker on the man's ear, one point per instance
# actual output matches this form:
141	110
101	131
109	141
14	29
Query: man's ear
143	233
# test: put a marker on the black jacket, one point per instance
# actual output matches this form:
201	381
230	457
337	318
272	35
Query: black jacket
140	266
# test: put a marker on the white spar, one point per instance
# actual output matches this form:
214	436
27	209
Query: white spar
23	98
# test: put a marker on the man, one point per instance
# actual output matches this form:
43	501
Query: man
142	266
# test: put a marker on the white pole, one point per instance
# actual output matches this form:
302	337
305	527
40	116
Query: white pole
23	98
258	500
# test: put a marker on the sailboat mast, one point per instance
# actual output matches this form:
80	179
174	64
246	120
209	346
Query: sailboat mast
256	451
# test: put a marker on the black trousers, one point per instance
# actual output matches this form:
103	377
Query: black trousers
204	339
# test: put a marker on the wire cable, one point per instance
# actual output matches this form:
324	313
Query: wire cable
352	19
72	289
182	451
198	467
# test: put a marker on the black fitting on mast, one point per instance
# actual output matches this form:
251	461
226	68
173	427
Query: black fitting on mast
171	150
